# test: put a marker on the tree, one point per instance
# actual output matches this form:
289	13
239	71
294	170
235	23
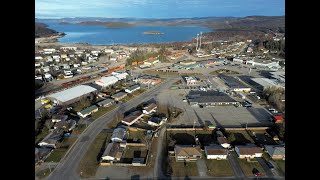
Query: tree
85	102
231	137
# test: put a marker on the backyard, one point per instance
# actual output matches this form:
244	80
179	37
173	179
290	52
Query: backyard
247	167
102	111
218	167
57	154
181	169
90	162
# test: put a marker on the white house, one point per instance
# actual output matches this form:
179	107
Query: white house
215	152
132	88
113	58
155	121
106	81
86	112
151	108
118	134
108	51
248	151
112	153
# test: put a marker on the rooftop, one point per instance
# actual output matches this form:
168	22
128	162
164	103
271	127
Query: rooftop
249	149
215	150
119	94
106	101
88	109
72	93
232	82
133	87
134	115
275	150
209	96
187	150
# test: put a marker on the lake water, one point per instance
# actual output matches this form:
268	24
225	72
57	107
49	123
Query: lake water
98	35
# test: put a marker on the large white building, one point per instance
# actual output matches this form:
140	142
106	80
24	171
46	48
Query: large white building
120	75
72	95
106	81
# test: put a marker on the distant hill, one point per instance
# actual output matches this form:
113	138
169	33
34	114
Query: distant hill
41	30
274	23
106	24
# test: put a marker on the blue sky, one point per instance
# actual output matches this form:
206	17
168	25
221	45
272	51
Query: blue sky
157	8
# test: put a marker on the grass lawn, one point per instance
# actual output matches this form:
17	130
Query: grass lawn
57	154
281	164
41	135
90	163
44	173
136	134
102	111
240	137
135	152
181	170
247	167
79	129
219	167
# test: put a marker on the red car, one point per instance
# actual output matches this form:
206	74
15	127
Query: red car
256	172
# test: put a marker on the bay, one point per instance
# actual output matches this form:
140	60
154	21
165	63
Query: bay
98	35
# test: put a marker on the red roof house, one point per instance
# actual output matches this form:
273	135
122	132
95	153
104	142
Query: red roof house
277	119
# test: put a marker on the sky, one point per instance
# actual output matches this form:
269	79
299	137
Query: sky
157	8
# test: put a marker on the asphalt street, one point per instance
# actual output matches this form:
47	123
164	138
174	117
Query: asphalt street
67	169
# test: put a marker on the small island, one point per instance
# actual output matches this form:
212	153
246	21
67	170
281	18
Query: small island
153	32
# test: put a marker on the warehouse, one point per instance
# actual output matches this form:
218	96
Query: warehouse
120	75
106	81
234	84
72	95
210	98
264	83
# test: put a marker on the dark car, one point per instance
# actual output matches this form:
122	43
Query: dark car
269	164
256	172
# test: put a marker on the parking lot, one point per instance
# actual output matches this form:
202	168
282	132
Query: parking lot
220	115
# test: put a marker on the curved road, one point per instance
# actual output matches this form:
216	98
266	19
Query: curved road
67	168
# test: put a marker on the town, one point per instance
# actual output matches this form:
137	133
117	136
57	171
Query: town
205	109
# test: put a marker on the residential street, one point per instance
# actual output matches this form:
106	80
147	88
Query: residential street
67	169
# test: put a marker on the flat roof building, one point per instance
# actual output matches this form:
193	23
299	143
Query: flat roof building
210	98
72	95
234	84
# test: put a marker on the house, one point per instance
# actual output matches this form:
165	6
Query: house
133	88
277	119
106	81
187	153
132	118
113	152
156	121
150	108
119	96
248	151
118	134
276	151
223	142
68	125
52	138
105	103
215	152
58	118
41	154
87	111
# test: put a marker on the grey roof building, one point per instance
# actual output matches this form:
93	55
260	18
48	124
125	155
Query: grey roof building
234	83
106	102
119	95
210	98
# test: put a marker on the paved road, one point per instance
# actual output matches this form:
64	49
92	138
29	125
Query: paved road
67	169
237	171
265	167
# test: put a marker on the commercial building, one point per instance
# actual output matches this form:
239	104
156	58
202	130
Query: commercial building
120	75
72	95
210	98
106	81
263	83
234	84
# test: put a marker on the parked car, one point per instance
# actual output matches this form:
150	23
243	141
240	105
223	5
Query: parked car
256	172
269	164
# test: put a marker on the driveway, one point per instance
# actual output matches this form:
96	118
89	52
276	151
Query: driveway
235	166
202	167
265	167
